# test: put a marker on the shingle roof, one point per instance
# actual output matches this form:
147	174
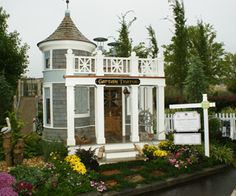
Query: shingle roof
67	31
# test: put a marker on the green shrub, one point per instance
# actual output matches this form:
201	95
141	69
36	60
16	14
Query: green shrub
167	145
88	158
214	129
228	110
221	154
33	145
54	146
32	175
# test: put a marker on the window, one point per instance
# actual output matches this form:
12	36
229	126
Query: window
47	106
82	101
47	59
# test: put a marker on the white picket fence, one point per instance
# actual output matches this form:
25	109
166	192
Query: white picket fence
228	124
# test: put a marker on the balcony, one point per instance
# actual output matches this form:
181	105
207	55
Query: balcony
99	65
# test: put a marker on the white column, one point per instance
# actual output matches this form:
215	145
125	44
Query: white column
160	103
70	62
134	137
70	115
149	101
99	114
123	112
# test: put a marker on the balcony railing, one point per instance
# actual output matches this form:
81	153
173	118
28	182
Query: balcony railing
100	65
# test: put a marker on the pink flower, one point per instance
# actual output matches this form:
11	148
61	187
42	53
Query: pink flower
6	180
8	191
177	154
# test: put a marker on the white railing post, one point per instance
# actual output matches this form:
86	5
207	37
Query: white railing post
134	64
70	62
160	67
99	63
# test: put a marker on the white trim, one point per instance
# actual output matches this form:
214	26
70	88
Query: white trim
123	112
99	115
52	70
48	85
70	95
54	127
134	137
67	44
91	81
128	106
84	126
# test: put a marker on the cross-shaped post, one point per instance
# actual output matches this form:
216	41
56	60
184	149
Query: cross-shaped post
205	104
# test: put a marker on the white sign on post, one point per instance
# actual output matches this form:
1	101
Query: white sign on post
187	121
187	138
205	104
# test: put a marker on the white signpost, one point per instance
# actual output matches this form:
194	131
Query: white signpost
205	104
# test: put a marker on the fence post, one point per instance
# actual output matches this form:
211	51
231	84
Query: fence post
232	125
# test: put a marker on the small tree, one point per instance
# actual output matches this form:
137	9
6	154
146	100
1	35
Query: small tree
203	44
176	64
196	83
153	42
141	50
6	95
13	57
124	46
230	76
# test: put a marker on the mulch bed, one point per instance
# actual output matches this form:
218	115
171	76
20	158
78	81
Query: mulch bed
111	183
110	172
134	178
32	162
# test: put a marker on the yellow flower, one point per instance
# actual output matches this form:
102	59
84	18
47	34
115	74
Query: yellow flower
160	153
76	164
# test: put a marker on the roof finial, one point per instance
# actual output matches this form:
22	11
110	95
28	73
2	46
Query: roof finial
67	2
67	13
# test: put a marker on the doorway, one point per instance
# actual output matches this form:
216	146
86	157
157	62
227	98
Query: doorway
113	111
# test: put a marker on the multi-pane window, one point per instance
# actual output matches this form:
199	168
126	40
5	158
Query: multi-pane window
47	106
47	59
81	101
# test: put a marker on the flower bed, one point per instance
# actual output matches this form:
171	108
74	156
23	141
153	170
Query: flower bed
75	174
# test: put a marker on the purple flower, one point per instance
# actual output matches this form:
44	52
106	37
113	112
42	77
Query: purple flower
6	180
8	191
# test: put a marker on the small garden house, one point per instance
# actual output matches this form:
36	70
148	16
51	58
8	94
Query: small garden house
93	99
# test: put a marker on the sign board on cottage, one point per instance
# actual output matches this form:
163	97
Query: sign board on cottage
187	121
118	81
187	138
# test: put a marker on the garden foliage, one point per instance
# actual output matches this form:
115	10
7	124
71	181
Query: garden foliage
89	158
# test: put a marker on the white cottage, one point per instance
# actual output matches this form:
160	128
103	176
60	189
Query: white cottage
97	99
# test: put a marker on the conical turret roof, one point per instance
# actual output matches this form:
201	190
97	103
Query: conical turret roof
67	31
